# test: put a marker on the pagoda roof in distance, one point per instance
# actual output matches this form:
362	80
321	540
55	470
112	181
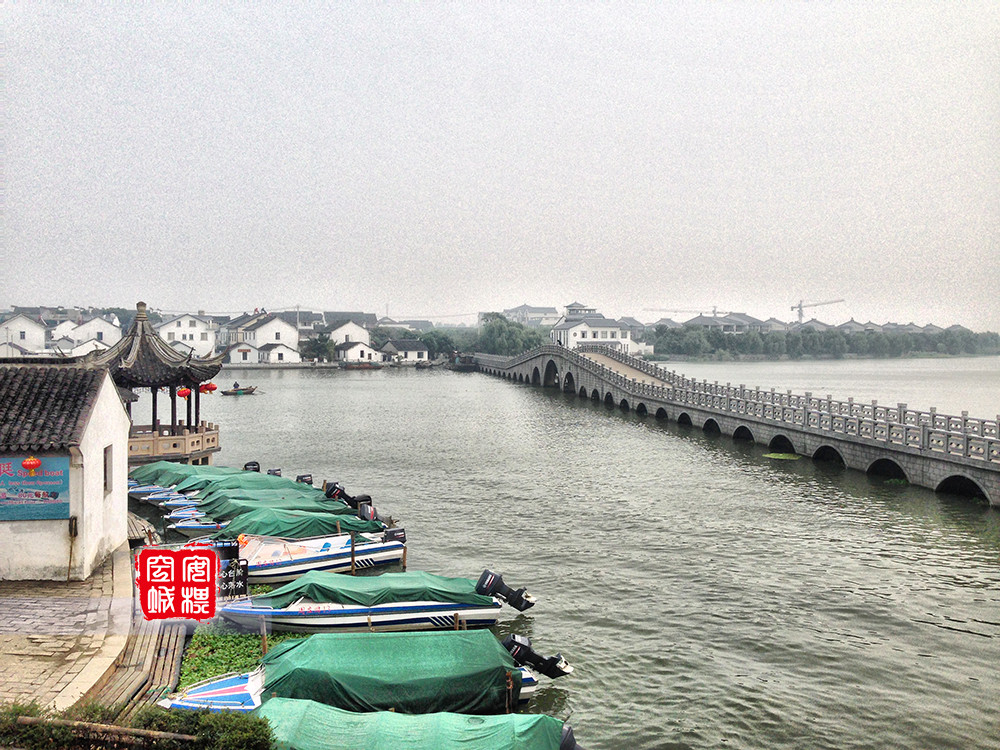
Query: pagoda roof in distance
142	359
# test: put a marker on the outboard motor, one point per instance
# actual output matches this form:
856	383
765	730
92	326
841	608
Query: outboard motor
394	535
333	490
367	512
520	648
274	472
336	491
304	478
491	584
251	466
568	741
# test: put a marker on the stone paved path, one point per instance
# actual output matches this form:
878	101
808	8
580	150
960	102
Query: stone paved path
58	637
629	372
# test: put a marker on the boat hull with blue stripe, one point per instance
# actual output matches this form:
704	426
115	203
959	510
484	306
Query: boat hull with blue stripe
273	560
306	616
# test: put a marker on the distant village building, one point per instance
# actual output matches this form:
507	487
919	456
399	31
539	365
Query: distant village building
583	325
190	333
347	331
64	436
258	329
356	351
23	332
279	354
243	353
367	321
405	351
527	315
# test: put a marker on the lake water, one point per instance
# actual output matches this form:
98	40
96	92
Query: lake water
707	596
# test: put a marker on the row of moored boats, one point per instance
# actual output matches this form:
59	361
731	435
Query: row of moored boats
397	655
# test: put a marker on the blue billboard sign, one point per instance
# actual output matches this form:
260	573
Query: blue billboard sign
30	492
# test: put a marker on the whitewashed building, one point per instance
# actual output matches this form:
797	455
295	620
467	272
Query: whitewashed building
279	354
243	353
63	471
346	331
592	330
356	351
98	329
270	329
22	331
532	316
405	351
191	333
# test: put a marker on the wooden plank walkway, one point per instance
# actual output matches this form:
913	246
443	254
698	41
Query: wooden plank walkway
147	669
141	531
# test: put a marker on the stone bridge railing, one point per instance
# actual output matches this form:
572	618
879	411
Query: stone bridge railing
953	436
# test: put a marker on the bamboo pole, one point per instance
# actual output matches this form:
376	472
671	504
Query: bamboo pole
263	636
353	559
404	559
105	728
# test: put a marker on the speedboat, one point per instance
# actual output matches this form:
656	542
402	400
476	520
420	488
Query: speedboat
328	602
462	671
276	560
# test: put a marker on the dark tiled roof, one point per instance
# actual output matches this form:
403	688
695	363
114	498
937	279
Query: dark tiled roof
143	359
407	345
363	319
45	407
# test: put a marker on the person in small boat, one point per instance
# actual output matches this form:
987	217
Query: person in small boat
236	385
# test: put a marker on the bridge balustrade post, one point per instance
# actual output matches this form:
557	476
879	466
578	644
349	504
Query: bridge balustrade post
901	413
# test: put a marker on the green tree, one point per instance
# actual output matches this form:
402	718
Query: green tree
438	343
318	348
501	336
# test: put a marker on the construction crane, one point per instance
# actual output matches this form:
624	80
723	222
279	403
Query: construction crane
802	305
715	311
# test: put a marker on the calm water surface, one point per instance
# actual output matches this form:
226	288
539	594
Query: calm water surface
706	595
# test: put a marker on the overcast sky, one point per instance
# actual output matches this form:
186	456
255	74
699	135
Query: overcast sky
436	159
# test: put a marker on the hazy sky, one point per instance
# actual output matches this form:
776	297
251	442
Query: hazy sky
442	159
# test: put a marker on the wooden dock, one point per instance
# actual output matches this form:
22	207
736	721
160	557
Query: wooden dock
141	531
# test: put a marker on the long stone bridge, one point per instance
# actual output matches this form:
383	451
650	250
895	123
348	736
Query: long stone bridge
944	453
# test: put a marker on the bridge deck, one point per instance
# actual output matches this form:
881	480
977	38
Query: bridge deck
620	368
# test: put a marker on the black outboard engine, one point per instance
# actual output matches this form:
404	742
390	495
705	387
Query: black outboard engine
520	648
367	512
251	466
491	584
333	490
304	478
274	472
394	535
568	741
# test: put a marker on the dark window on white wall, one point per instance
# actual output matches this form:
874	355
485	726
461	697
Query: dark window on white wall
108	469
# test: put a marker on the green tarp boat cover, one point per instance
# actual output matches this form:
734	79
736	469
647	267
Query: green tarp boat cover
294	524
167	473
244	479
307	725
461	671
223	508
367	591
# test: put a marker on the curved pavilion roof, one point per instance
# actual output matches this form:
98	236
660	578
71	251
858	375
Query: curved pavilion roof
143	359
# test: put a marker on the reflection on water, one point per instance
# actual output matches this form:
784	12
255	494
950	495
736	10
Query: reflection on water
705	595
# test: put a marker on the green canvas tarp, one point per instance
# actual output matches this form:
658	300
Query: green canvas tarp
167	473
244	479
294	524
368	591
222	508
307	725
225	508
461	671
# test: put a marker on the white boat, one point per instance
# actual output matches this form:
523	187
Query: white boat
274	560
197	526
326	602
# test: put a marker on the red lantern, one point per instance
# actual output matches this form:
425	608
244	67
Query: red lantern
203	388
184	392
31	463
211	387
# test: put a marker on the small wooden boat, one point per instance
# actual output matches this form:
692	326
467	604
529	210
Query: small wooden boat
246	390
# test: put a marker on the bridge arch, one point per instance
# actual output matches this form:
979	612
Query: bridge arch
536	377
743	433
829	454
887	468
569	383
623	405
551	379
959	484
781	444
684	418
595	395
641	410
711	427
661	413
609	400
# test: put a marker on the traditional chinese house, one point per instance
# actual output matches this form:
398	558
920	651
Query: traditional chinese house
142	359
63	464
